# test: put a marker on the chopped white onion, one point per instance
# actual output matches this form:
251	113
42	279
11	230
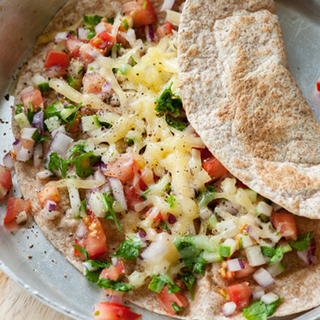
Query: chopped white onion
167	4
60	143
157	249
60	37
8	161
263	277
253	233
27	133
173	17
96	204
24	154
246	241
82	230
257	293
87	266
114	260
26	90
276	207
75	201
269	298
100	27
118	193
152	213
61	129
98	175
50	214
255	256
138	207
264	208
229	308
37	155
235	264
44	174
82	33
130	36
21	218
232	244
116	299
106	87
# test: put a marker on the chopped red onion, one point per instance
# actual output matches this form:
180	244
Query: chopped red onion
229	308
50	214
100	166
106	87
105	188
37	122
263	277
16	142
257	293
118	193
27	133
116	299
142	234
60	37
172	219
51	205
235	264
167	4
37	155
82	230
82	33
100	27
149	33
8	161
44	174
69	34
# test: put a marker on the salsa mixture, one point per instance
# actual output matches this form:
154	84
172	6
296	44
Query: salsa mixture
117	137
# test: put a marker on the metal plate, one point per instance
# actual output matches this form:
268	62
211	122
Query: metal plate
47	275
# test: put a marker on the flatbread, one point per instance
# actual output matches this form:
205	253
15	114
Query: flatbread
295	285
244	103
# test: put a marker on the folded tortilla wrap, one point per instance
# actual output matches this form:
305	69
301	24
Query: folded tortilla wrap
296	285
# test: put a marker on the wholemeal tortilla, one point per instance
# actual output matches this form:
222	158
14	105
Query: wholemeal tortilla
296	285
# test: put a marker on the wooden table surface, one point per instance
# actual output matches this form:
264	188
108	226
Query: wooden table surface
17	304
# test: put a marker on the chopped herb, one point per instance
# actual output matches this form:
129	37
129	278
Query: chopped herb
144	5
206	196
164	226
19	108
114	285
108	204
44	87
31	112
83	164
169	102
188	279
129	249
93	276
58	164
71	81
83	251
73	116
125	24
133	62
144	195
176	308
171	200
110	20
51	111
91	33
123	69
83	207
177	123
78	148
38	137
129	142
303	241
267	251
278	255
258	310
81	71
159	281
91	20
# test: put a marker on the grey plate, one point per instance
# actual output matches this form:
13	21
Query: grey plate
44	275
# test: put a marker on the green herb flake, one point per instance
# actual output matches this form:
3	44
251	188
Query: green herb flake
169	102
129	249
177	123
83	164
38	137
125	24
164	226
159	281
258	310
73	116
19	109
71	81
144	5
171	200
176	308
133	62
114	285
303	241
83	207
83	251
58	164
108	204
188	279
144	194
110	20
267	251
278	255
91	20
50	112
91	33
31	112
206	196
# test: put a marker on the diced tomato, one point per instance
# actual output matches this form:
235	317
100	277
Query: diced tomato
113	311
166	299
56	58
50	192
88	53
73	46
75	126
123	168
132	197
103	41
164	30
15	206
159	217
240	294
93	82
285	224
141	12
318	85
5	181
214	168
34	97
95	242
246	272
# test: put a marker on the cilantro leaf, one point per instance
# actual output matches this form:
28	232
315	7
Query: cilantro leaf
188	279
206	196
176	308
99	263
91	33
91	20
303	241
31	112
278	255
78	148
38	137
267	251
108	204
73	116
110	20
83	164
93	276
83	251
171	200
159	281
71	81
129	249
177	123
83	207
19	108
51	111
169	102
144	194
114	285
258	310
164	226
58	164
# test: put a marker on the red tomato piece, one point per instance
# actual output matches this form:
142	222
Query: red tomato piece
214	168
285	224
246	272
103	41
56	58
73	46
132	197
93	82
164	30
50	192
123	168
15	206
5	181
95	241
141	12
159	217
34	97
113	311
114	272
166	299
240	294
318	85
